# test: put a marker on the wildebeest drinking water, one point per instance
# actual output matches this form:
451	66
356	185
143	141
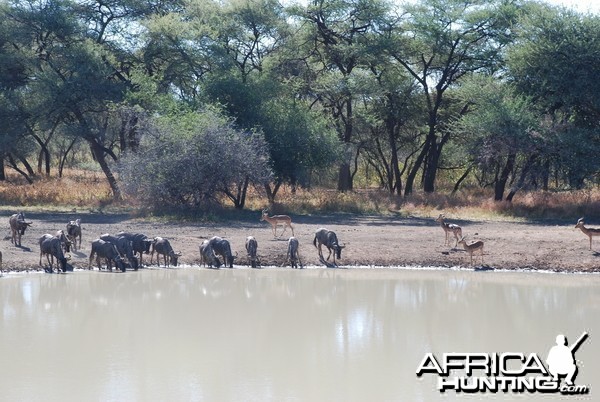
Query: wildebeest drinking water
222	248
208	256
293	254
108	251
124	247
252	250
51	247
162	247
139	242
327	238
18	225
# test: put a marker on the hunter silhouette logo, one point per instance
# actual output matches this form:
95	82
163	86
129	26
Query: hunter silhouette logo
507	372
561	359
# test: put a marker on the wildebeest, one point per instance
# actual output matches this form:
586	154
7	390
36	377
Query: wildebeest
64	240
293	254
124	248
208	256
327	238
74	233
222	248
18	225
51	247
252	249
162	247
108	251
140	243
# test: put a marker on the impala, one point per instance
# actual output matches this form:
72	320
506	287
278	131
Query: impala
277	220
471	248
590	232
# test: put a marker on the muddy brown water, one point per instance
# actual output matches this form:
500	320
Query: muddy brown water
273	334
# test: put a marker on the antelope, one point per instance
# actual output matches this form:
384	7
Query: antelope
449	228
293	255
74	233
251	249
277	220
18	227
327	238
590	232
163	247
471	248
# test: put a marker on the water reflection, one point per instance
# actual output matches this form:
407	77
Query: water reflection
271	334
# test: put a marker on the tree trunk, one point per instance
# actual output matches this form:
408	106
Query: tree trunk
13	164
98	152
345	178
461	179
396	182
432	161
522	177
2	169
63	160
500	185
412	174
272	192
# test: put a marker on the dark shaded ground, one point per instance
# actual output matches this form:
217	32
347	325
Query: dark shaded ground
369	241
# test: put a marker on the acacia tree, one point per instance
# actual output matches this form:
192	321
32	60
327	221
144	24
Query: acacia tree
556	61
337	43
501	131
439	43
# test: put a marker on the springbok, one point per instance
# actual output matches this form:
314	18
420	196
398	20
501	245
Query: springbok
589	232
277	220
471	248
449	228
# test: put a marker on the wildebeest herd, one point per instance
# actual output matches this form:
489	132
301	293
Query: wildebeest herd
124	250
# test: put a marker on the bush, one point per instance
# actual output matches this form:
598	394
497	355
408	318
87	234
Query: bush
192	160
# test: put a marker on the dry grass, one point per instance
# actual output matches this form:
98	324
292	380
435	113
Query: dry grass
87	189
75	189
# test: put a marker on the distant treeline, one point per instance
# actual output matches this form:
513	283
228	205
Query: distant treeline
194	101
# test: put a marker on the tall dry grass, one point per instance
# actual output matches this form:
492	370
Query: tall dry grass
75	189
88	189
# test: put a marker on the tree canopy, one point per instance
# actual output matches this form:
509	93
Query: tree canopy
428	94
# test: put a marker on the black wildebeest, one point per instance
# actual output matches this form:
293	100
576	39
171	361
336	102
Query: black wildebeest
293	254
208	256
108	251
162	247
18	225
51	247
222	248
140	242
74	233
252	250
327	238
124	248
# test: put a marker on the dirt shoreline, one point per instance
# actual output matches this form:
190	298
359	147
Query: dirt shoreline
371	240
